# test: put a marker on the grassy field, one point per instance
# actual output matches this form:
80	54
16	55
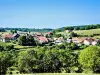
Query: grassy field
89	32
60	74
86	32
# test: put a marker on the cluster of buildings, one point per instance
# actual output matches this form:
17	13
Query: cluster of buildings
7	37
44	40
85	40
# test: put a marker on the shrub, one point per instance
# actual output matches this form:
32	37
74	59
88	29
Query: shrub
89	58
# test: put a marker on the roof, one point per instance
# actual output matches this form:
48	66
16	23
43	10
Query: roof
15	35
81	39
43	39
91	39
10	36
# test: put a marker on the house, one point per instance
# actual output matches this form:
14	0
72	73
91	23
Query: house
22	33
48	34
15	36
67	31
69	40
90	41
78	40
41	39
6	37
58	40
39	34
85	41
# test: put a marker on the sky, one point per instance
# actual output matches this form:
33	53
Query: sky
48	13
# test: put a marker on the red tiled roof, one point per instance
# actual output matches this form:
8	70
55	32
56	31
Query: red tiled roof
43	39
84	38
91	39
7	36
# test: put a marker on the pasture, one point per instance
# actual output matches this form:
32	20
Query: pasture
89	32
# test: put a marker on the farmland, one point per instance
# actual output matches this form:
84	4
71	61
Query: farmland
89	32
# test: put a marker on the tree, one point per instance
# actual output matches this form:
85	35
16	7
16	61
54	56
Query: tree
61	46
30	41
26	40
46	60
74	46
72	34
22	40
89	58
1	48
9	47
13	31
27	61
57	35
5	61
76	28
69	28
57	30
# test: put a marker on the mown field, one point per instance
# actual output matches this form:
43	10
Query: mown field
89	32
60	74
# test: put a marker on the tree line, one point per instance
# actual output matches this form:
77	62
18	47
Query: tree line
81	27
26	29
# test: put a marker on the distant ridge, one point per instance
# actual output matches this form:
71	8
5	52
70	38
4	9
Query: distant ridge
81	27
26	29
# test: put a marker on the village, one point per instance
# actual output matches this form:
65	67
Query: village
45	38
49	37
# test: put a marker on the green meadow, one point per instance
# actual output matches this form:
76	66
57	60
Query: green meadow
89	32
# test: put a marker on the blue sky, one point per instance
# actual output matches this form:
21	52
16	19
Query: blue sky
48	13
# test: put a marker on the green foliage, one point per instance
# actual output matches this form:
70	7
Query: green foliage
9	47
57	30
13	31
5	61
27	61
25	29
89	58
46	60
57	35
69	28
1	48
74	46
72	34
81	27
62	46
6	47
2	30
26	40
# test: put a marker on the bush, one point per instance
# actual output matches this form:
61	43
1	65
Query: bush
89	58
1	48
9	47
